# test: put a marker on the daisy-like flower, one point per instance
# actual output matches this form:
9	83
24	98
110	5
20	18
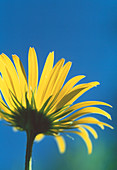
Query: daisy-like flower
46	108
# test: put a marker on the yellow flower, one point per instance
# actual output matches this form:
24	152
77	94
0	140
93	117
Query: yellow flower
46	108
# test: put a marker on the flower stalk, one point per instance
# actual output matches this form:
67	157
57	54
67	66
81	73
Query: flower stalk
28	158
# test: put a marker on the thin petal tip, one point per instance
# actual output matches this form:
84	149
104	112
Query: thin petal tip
96	137
106	104
14	56
111	127
15	129
89	153
62	152
97	83
110	118
31	48
52	52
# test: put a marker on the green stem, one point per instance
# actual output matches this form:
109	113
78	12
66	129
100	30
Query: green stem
28	158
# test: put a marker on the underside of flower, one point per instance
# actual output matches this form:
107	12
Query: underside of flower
46	108
28	118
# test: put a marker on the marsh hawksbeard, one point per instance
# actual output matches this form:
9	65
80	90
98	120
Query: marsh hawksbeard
46	108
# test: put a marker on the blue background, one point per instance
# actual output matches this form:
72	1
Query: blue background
84	32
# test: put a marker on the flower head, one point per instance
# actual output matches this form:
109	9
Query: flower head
46	108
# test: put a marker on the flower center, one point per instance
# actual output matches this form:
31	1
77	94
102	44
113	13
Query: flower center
39	122
32	120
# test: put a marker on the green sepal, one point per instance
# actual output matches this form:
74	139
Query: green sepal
62	115
12	95
50	105
44	105
33	104
56	114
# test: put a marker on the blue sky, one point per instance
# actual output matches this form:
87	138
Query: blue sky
82	31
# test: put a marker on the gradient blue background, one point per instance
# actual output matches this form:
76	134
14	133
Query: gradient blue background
84	32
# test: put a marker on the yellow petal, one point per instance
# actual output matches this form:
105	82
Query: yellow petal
44	78
75	93
80	105
86	87
15	129
61	78
53	77
88	110
59	82
5	91
91	130
2	107
87	103
33	70
6	77
39	137
67	87
91	120
21	74
13	77
60	143
84	135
